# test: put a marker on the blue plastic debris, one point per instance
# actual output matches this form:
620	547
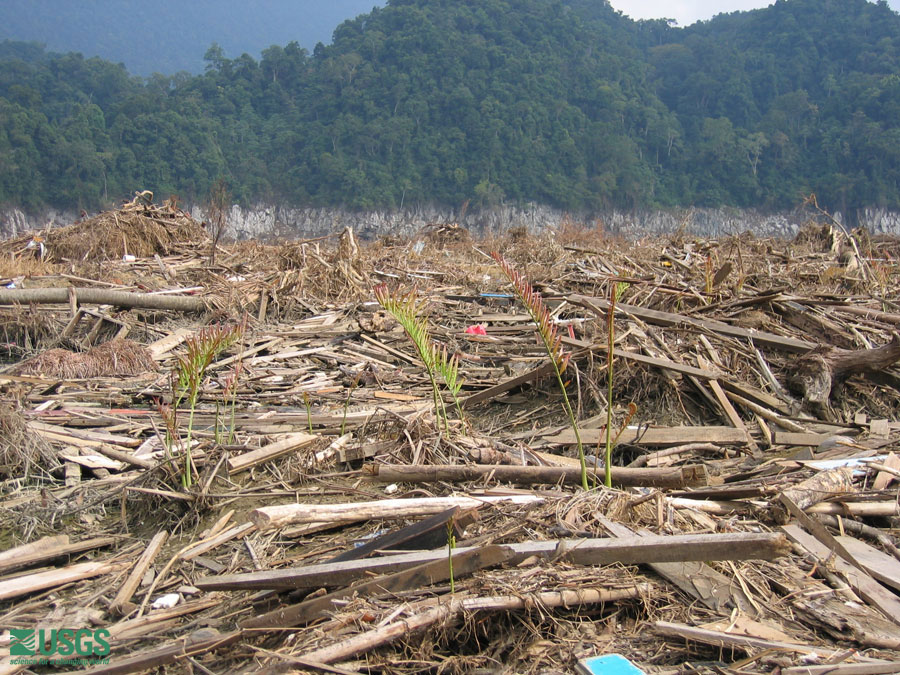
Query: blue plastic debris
608	664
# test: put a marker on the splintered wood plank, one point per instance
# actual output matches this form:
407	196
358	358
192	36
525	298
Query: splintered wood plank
160	349
629	549
269	452
884	567
47	549
13	588
867	588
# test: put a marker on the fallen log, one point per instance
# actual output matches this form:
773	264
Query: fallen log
814	374
101	296
683	476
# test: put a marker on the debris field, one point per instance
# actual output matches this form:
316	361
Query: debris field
238	457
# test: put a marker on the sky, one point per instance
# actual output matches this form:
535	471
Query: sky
687	12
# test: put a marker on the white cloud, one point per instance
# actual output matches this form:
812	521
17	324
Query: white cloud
687	12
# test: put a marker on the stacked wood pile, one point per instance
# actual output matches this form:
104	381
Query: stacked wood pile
333	524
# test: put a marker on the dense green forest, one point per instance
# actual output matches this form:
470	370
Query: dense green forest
561	102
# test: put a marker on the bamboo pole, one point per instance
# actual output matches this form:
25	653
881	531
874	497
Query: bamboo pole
101	296
684	476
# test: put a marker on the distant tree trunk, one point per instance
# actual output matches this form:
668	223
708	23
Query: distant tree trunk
219	203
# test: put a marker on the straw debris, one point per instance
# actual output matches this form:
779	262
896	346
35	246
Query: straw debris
117	358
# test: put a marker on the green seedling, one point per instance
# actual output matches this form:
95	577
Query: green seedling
189	375
409	313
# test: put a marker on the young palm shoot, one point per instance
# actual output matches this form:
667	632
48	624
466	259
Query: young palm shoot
408	311
190	373
552	340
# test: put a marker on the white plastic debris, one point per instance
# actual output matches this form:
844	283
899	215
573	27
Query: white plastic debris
167	601
392	488
128	258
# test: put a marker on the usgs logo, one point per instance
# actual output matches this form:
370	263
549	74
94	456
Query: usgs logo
59	642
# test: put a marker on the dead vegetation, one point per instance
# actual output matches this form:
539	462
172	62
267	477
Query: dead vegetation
117	358
751	527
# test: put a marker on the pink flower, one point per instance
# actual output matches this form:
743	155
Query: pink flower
477	329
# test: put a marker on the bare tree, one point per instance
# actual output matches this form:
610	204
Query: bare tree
217	213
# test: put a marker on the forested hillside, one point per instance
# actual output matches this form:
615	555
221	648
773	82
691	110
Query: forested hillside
566	103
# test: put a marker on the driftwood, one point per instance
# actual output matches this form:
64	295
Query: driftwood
816	372
101	296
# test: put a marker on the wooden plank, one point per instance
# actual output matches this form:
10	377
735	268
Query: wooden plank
23	556
877	668
795	438
433	525
269	452
731	413
885	568
695	578
123	597
884	478
630	549
502	387
728	640
656	436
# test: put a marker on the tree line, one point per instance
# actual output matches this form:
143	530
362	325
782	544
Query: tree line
560	102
